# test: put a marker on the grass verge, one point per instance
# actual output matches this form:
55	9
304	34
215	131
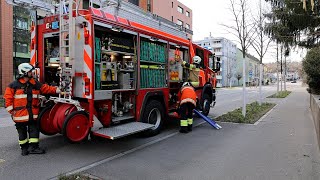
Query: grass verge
254	113
1	101
282	94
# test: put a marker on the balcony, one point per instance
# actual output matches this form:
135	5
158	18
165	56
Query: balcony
219	53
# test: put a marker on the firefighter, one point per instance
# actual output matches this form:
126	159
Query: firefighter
188	100
22	102
196	74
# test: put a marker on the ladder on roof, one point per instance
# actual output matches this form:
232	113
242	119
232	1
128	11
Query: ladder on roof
47	5
67	35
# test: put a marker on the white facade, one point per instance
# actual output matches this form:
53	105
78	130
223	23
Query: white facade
226	50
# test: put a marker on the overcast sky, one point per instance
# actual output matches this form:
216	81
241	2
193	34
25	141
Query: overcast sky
208	15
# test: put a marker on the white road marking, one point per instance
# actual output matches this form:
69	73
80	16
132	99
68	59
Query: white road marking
84	168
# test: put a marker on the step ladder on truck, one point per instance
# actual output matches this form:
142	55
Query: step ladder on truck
119	68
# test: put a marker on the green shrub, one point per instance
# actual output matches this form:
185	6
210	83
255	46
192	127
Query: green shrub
1	102
311	66
281	94
253	113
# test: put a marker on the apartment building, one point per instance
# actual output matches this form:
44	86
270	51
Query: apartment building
252	68
226	50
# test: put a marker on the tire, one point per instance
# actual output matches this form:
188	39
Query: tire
206	104
44	124
76	127
153	114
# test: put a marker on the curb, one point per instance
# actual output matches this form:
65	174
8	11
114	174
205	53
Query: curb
264	116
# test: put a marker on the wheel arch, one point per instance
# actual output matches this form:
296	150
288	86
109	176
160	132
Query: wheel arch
155	95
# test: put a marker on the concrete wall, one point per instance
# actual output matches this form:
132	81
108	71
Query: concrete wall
315	110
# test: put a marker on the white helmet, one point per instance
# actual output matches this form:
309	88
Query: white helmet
196	60
186	84
24	68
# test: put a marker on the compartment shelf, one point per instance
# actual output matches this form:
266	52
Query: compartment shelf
152	62
119	52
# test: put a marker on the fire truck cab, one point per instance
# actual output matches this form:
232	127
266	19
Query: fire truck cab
119	67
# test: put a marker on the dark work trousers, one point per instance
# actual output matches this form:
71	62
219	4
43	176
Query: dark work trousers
186	111
26	128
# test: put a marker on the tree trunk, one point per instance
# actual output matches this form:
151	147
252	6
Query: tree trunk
260	85
244	88
285	73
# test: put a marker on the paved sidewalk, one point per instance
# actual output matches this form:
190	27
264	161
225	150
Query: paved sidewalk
5	119
281	146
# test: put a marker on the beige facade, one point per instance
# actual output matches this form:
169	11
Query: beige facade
174	11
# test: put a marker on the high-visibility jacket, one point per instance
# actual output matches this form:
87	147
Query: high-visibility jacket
22	98
196	75
188	94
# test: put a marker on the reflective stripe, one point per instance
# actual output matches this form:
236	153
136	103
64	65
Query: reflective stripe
23	141
35	96
183	123
20	96
35	116
33	140
187	87
188	100
9	108
190	121
21	118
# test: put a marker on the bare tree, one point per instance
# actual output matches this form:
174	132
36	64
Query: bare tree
243	30
239	76
260	44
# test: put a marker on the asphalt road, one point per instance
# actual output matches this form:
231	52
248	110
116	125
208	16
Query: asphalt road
135	157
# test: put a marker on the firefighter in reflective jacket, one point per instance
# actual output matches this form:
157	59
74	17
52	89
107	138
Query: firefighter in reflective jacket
22	102
196	74
188	101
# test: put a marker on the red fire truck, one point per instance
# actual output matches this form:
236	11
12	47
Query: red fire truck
119	68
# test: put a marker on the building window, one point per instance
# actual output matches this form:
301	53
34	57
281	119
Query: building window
179	22
217	50
22	47
135	2
22	23
188	13
149	5
172	18
172	4
180	9
187	26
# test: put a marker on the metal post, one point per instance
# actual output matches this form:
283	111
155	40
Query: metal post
244	87
277	69
281	67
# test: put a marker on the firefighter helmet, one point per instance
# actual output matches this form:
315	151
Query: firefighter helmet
196	60
24	68
186	84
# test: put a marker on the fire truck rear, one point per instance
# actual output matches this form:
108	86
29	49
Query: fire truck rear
118	66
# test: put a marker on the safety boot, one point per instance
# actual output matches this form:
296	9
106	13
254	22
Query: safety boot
35	149
24	149
183	129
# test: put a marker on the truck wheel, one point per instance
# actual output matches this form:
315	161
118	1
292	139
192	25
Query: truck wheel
153	114
44	123
206	104
76	127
